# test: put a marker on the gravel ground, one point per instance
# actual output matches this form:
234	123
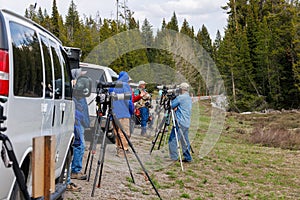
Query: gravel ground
116	180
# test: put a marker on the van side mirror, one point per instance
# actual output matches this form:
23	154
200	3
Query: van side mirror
83	86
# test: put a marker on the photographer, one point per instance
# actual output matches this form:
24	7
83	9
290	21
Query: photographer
182	105
81	122
123	109
143	106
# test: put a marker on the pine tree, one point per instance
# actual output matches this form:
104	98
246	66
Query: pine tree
55	19
72	24
147	37
216	45
173	24
204	40
296	48
185	29
104	31
40	16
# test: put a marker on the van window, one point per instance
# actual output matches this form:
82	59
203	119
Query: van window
96	75
57	70
27	61
48	68
68	86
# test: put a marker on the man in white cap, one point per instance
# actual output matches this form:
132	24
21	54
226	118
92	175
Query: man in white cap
182	105
142	105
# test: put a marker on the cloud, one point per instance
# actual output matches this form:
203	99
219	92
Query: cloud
196	12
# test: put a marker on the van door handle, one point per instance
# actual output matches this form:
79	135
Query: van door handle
62	109
53	117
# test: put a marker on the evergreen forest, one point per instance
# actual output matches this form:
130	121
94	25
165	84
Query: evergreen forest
258	57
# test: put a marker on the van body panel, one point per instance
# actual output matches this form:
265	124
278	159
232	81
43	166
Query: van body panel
32	110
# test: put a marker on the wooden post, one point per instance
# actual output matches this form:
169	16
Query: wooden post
43	167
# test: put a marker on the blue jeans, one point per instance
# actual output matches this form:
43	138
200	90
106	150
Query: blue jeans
78	151
144	116
185	147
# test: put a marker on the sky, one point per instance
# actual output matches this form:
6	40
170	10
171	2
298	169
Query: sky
196	12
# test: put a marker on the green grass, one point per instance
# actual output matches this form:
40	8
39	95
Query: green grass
236	168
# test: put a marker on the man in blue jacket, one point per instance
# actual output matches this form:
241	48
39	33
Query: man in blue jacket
182	105
82	121
123	109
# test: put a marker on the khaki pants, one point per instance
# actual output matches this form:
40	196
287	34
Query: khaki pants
125	125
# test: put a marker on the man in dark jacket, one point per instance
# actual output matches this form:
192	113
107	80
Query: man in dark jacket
123	109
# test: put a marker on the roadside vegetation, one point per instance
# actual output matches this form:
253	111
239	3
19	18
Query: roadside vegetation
256	157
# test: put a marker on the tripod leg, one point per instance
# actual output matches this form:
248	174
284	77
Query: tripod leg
87	163
157	134
178	147
93	148
154	141
119	137
162	135
167	123
176	136
101	156
90	149
93	144
133	150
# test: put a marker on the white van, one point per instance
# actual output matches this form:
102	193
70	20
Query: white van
35	84
96	73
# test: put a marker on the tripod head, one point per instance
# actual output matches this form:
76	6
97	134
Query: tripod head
168	93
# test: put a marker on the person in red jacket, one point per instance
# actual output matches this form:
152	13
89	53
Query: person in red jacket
135	98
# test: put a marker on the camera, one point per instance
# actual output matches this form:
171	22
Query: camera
170	91
103	85
104	95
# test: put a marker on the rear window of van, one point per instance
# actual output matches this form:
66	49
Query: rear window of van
27	61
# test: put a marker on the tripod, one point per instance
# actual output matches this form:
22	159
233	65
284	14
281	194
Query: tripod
162	126
12	161
111	117
101	109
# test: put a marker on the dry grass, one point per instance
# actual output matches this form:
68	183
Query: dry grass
279	130
275	137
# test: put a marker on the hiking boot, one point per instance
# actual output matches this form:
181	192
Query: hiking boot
72	187
144	131
120	153
79	176
128	153
186	161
